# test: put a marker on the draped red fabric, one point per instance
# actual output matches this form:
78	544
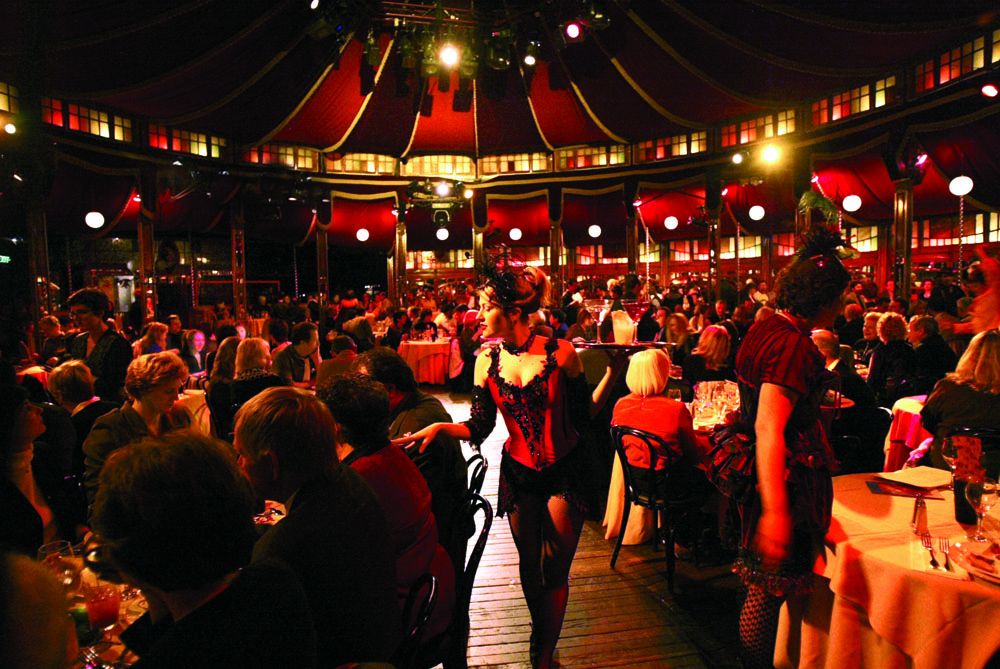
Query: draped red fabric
348	216
78	190
421	230
529	215
582	210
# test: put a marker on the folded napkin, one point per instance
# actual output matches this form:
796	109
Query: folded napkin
920	560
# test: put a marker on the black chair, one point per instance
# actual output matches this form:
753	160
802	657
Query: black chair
649	488
451	648
477	465
414	624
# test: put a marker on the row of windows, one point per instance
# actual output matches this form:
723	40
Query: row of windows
762	127
957	62
855	101
8	98
948	231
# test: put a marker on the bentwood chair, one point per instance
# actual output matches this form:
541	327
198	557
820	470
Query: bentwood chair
423	596
650	488
477	465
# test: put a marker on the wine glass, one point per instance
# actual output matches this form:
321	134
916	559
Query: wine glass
58	558
982	495
949	451
674	393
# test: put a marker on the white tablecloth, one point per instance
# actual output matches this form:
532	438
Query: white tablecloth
427	359
194	403
877	604
906	432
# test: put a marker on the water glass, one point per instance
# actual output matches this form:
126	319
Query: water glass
982	495
59	559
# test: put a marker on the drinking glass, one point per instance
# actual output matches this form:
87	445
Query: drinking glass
103	603
623	327
982	495
949	451
58	558
674	393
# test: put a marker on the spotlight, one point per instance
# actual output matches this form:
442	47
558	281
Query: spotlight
442	189
449	55
594	231
771	154
442	217
756	212
597	16
851	203
670	222
497	54
572	31
960	186
430	67
406	52
442	234
11	128
921	159
531	53
17	177
515	233
94	219
990	90
468	68
467	193
314	4
739	157
725	191
373	55
362	234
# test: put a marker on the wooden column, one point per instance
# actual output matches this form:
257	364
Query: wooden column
399	258
632	244
390	277
555	253
239	267
322	265
902	226
766	258
146	272
38	260
664	265
886	257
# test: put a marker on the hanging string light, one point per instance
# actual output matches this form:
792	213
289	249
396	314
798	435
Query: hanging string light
961	186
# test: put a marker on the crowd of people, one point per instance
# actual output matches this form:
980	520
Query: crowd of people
321	414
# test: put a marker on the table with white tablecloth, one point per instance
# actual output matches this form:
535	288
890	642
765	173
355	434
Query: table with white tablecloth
877	603
906	432
194	403
427	359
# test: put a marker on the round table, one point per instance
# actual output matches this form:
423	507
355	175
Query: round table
427	359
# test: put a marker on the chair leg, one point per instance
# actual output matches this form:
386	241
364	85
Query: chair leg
668	531
626	509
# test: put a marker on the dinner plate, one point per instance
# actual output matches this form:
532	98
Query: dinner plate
959	553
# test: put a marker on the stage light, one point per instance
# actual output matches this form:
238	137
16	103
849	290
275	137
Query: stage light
921	159
990	90
430	67
442	234
10	128
468	68
443	189
373	55
771	154
314	4
497	54
960	186
467	193
94	219
594	231
362	234
851	203
407	55
756	212
395	212
449	55
572	31
515	233
531	53
596	14
670	222
725	191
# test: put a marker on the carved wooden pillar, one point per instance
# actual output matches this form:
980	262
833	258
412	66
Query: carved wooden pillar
146	273
664	266
399	258
239	266
555	253
766	258
632	243
902	225
322	265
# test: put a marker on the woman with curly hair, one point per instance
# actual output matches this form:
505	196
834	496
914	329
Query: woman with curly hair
893	361
538	385
782	379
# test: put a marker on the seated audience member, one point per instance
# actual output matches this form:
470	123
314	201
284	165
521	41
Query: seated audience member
29	498
360	409
707	361
36	632
219	393
968	397
345	352
54	346
854	325
153	382
177	521
175	330
192	343
154	340
335	536
865	347
893	362
297	362
678	332
277	335
763	313
445	320
222	333
585	328
253	371
935	358
399	328
360	329
851	384
103	350
442	463
72	386
557	321
982	279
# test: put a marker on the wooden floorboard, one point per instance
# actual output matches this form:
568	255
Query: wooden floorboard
622	617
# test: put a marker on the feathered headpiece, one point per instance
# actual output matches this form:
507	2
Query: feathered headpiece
502	270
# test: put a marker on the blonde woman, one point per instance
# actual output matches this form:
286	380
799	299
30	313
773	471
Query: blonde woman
152	382
708	360
893	361
253	371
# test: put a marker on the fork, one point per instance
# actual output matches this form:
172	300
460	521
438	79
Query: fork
944	546
91	658
928	543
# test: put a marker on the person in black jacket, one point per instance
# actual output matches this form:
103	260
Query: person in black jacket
103	350
935	358
893	362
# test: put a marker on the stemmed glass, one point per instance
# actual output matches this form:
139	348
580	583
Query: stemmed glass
58	558
982	495
949	451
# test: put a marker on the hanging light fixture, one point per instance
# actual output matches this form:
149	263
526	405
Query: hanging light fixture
442	234
94	219
531	53
670	222
515	233
430	66
362	234
756	212
961	186
594	231
851	203
407	54
10	128
373	55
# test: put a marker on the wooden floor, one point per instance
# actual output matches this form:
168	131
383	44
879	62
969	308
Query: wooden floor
621	617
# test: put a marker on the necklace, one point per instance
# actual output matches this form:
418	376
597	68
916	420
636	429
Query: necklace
518	350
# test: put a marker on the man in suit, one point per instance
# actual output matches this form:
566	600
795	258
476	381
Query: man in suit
334	537
934	357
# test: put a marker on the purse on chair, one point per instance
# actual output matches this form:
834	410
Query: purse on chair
731	458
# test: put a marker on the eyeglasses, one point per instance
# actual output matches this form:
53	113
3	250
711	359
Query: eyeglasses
81	312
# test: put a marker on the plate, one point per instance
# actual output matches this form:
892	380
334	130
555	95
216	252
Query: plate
609	346
959	553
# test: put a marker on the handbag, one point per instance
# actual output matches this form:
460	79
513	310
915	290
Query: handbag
731	460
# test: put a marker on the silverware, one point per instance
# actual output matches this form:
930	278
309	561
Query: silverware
944	546
928	543
91	659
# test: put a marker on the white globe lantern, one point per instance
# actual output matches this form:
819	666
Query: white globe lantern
515	233
362	234
960	186
594	231
442	234
94	219
851	203
670	222
756	212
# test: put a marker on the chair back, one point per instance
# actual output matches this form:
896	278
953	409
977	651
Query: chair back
477	465
644	486
457	653
414	624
